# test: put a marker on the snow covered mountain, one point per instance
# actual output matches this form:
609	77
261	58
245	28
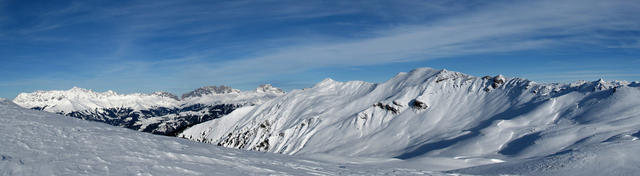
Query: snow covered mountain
455	117
41	143
158	113
423	122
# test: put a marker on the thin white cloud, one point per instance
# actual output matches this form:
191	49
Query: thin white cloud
492	29
496	28
504	26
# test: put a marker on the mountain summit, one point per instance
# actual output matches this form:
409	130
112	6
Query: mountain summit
210	90
267	88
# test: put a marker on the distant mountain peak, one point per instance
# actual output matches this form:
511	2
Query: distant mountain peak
325	82
269	88
166	94
210	90
78	89
77	99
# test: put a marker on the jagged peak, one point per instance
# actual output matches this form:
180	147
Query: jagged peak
83	91
430	72
74	91
601	84
444	73
79	93
268	88
165	94
499	78
582	85
210	90
78	89
325	82
328	80
424	75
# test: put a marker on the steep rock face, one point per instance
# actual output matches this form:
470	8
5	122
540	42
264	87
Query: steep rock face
432	113
159	112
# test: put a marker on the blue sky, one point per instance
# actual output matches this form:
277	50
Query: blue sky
177	46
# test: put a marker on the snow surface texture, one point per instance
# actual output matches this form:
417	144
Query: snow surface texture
448	120
40	143
159	113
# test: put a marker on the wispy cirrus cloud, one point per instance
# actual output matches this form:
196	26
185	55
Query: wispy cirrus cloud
178	45
493	28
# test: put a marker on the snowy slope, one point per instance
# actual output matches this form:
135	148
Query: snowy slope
429	113
40	143
159	113
609	158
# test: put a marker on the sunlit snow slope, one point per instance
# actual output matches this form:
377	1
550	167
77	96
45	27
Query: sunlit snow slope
40	143
429	113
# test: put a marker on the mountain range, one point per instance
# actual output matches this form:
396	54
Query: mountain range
158	113
430	119
441	118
